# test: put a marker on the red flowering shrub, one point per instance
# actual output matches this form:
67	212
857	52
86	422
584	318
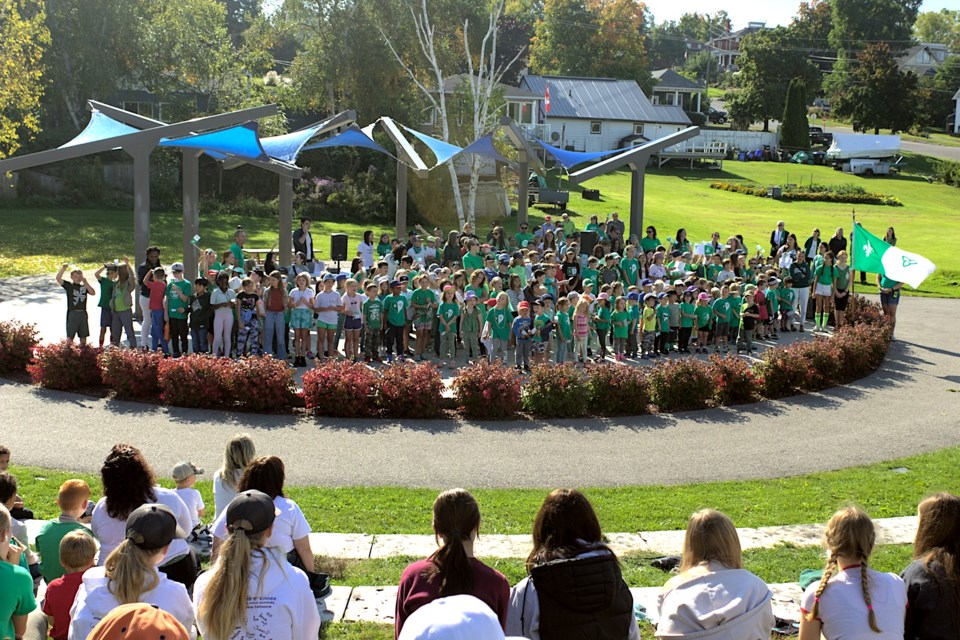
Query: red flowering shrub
734	380
862	349
262	383
825	360
556	391
17	341
487	390
342	389
66	366
195	380
131	373
410	391
681	385
782	372
862	311
618	391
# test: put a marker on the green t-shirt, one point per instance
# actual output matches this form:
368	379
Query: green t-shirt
523	237
634	310
519	271
106	292
396	306
629	269
48	545
682	246
237	252
721	309
663	318
593	276
176	307
472	262
785	295
422	302
713	270
687	308
447	311
373	313
16	585
704	315
621	324
735	304
824	275
842	277
500	321
603	318
887	283
470	322
649	244
563	327
538	324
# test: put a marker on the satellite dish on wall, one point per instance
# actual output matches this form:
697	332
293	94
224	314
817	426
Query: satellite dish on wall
555	136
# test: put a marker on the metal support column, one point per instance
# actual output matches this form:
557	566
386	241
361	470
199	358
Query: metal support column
522	188
401	200
286	222
141	205
191	211
637	179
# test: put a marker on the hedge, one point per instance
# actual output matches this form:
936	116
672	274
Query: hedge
822	194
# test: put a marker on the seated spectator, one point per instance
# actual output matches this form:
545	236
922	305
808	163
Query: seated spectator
16	585
130	573
18	512
574	587
290	532
72	501
128	482
852	600
77	553
714	596
452	569
240	451
17	529
933	578
454	618
185	475
139	621
252	581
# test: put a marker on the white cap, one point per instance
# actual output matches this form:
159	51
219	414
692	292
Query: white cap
453	618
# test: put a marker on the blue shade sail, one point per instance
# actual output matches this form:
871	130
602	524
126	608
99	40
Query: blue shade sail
100	127
240	141
484	147
570	159
442	150
288	146
352	136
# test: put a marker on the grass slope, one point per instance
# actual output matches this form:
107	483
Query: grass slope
881	489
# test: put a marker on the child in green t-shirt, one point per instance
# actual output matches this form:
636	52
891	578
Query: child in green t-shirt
423	302
735	302
648	318
633	307
564	330
497	328
447	314
621	328
721	311
470	321
787	297
687	318
704	313
396	306
590	273
663	324
601	322
372	322
106	293
674	307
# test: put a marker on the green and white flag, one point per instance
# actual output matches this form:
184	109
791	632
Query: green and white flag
872	254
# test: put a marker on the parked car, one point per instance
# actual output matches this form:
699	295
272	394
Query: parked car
716	116
818	136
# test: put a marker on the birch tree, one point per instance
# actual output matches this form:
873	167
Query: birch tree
483	76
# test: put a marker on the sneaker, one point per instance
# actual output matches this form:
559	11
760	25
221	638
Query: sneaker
775	337
644	357
390	359
310	355
801	329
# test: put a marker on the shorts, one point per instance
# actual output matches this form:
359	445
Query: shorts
77	324
538	347
423	325
890	298
823	290
840	304
722	329
353	323
301	319
326	326
106	318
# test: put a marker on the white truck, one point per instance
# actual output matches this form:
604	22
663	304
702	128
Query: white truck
864	155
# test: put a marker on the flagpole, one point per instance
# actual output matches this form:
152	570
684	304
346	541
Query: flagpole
853	272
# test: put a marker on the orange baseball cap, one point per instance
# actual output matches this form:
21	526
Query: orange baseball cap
139	621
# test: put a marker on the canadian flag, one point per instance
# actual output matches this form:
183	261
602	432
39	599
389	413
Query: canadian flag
546	99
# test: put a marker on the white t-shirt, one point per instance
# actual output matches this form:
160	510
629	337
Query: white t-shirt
280	605
94	601
301	298
366	252
843	611
327	299
112	531
194	501
353	305
222	494
290	525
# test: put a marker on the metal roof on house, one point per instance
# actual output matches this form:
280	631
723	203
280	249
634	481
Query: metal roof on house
600	99
670	79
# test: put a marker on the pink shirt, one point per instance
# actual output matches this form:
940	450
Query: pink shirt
581	326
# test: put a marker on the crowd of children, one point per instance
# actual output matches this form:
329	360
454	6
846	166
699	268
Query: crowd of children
574	577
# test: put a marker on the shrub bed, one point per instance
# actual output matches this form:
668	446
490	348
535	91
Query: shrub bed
262	383
733	380
618	391
556	391
681	385
340	389
131	373
410	391
17	342
195	380
489	391
850	194
65	366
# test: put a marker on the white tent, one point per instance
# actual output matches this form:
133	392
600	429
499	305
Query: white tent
847	146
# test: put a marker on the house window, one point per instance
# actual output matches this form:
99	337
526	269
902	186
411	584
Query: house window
596	127
140	108
638	128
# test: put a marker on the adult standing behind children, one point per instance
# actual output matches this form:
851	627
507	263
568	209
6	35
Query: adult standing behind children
151	262
78	325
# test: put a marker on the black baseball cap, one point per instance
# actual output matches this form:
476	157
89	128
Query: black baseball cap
153	526
252	512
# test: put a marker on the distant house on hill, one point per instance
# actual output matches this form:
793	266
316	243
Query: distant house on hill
725	49
924	59
598	114
673	89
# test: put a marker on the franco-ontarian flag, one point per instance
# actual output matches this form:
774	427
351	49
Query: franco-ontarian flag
872	254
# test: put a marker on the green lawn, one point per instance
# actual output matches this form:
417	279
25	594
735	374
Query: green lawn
881	490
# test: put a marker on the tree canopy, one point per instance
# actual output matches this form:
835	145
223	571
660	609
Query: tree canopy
23	37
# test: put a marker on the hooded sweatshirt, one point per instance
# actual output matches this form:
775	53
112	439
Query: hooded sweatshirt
712	601
580	597
94	601
280	605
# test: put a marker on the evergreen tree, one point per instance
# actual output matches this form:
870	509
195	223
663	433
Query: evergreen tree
794	133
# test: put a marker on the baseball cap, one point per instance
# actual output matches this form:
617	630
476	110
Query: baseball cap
491	302
252	512
547	218
239	270
504	258
138	621
212	272
703	296
184	470
329	276
394	283
490	273
460	617
646	282
433	268
649	296
676	254
523	305
603	296
662	294
546	296
773	281
470	296
177	266
153	526
404	278
633	295
342	276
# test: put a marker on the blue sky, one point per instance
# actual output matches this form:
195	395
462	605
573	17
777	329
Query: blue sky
773	12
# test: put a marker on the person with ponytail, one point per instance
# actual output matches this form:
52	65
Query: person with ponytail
238	454
852	600
574	587
452	569
130	574
252	587
933	578
713	596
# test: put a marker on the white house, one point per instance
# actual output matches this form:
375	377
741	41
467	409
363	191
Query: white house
598	114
